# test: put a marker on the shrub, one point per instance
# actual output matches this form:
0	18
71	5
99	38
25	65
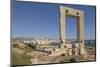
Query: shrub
32	45
67	60
15	45
72	60
62	54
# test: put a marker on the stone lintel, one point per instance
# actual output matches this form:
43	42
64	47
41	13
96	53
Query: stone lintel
71	11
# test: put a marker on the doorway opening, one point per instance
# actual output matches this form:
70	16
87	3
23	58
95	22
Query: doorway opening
71	29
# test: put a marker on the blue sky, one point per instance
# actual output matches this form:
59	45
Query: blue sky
31	19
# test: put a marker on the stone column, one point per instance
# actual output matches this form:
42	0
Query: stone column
70	51
76	51
80	28
62	26
80	33
82	50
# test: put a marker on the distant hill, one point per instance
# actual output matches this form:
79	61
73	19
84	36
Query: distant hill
22	38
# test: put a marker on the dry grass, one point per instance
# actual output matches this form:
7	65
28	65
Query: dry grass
20	59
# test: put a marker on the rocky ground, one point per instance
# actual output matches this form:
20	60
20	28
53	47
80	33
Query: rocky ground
37	57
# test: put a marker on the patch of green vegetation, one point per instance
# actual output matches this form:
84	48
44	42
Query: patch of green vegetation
72	60
33	46
15	45
20	59
62	54
27	49
68	60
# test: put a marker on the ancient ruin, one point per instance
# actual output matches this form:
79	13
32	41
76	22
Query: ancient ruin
77	48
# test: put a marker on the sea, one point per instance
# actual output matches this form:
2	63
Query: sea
91	43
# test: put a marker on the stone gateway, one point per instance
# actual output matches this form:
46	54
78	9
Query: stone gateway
79	47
